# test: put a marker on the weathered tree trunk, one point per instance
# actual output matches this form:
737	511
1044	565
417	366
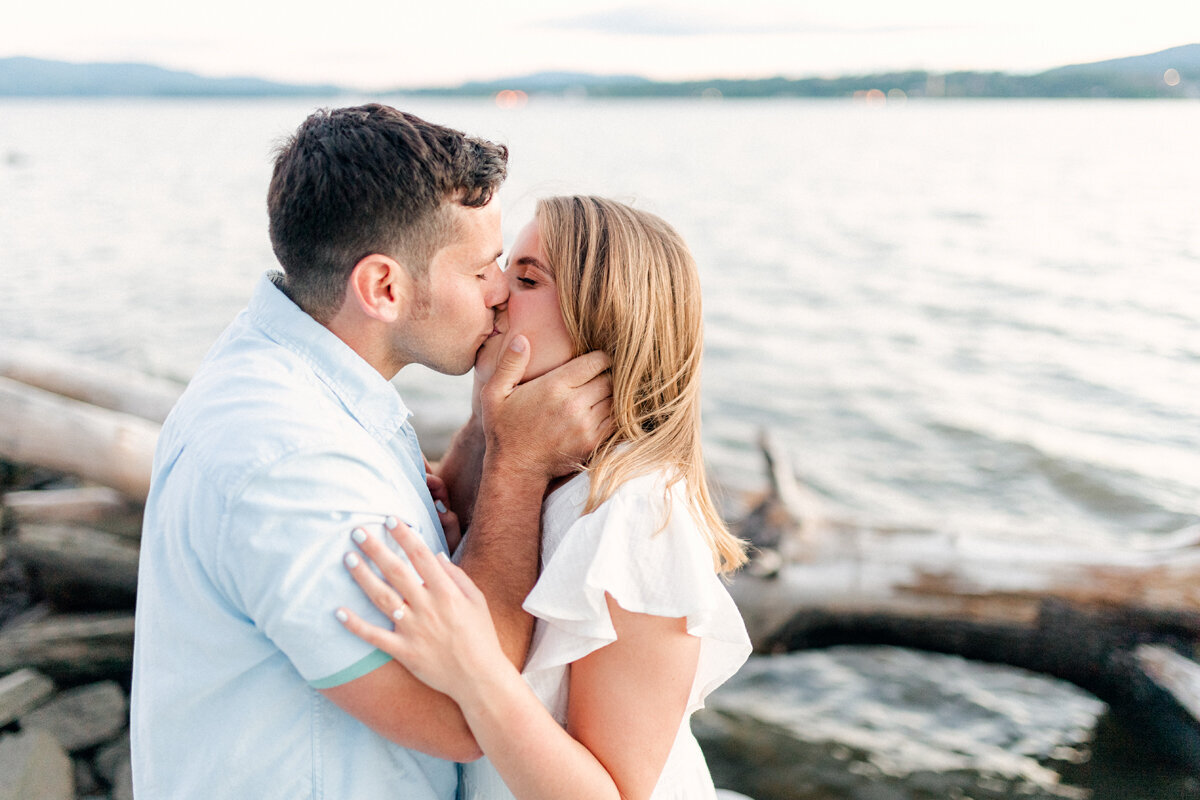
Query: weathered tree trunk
107	447
1076	610
110	386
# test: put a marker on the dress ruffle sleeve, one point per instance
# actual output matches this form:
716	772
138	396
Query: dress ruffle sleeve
624	549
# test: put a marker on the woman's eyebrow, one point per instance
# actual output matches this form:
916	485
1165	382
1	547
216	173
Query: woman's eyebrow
530	261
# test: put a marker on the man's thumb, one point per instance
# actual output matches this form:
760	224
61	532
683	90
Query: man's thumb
511	367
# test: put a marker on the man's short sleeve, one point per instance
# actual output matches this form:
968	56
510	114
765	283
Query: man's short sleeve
281	550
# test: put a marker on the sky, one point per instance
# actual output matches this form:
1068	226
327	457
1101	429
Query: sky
372	44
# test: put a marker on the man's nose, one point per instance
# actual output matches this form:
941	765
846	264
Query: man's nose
496	293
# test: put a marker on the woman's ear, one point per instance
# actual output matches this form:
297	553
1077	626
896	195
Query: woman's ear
380	287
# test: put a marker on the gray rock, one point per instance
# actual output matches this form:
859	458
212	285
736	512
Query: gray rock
22	691
83	717
123	783
86	781
109	757
35	767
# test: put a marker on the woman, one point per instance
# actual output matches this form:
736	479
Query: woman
633	623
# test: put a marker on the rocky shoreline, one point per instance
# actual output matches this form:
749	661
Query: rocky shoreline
64	702
75	450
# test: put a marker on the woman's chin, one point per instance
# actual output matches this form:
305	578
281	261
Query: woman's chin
486	359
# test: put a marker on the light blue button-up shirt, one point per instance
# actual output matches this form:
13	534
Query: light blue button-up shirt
284	441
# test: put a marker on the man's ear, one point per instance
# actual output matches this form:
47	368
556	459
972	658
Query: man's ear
380	287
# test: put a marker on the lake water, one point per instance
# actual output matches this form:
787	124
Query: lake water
965	316
960	315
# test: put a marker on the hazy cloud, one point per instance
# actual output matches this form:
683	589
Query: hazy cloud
668	21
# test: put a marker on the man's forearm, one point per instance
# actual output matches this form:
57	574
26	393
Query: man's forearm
462	469
501	552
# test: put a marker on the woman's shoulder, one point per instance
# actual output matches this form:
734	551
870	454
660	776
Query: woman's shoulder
637	508
641	547
643	534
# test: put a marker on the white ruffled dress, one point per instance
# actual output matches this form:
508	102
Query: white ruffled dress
619	549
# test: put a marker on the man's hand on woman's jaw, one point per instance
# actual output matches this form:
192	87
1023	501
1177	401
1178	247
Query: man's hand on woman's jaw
549	426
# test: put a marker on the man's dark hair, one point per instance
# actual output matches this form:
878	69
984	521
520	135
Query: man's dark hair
370	179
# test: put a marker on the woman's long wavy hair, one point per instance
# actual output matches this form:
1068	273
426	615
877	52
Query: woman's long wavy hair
628	285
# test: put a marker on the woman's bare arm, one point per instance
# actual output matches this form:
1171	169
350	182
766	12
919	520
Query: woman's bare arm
627	699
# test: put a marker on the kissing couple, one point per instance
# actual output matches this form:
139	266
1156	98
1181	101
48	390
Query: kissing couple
322	613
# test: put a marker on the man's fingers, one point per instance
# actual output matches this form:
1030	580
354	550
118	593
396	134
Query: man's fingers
434	482
597	390
603	408
581	369
448	519
437	488
510	369
607	427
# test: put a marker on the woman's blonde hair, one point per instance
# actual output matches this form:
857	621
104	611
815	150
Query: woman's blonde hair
628	285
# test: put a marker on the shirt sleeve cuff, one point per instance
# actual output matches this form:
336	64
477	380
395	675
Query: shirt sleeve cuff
369	663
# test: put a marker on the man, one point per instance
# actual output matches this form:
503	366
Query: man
289	436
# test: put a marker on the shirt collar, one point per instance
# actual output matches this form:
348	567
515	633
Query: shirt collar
369	398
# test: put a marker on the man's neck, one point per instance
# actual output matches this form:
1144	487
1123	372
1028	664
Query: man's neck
361	336
358	332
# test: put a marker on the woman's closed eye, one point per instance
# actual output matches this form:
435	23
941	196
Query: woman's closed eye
527	281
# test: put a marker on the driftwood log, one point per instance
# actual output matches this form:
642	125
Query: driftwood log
1122	623
79	567
70	648
108	386
108	447
98	506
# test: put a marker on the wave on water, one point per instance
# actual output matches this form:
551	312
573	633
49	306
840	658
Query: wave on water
1120	502
857	721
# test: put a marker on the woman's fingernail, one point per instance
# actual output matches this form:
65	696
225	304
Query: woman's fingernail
341	615
518	345
398	613
440	506
392	522
442	555
351	560
358	535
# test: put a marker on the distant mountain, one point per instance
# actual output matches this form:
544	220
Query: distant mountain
1185	59
35	77
547	82
1134	77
